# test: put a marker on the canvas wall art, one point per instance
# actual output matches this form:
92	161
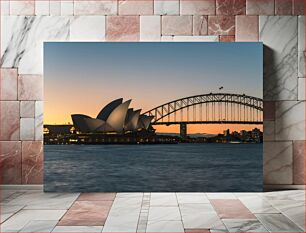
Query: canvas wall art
153	117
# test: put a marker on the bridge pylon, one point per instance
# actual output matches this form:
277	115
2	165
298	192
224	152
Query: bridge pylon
183	130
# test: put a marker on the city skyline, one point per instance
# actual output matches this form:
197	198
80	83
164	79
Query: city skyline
82	77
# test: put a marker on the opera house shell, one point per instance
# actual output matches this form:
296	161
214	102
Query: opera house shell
114	117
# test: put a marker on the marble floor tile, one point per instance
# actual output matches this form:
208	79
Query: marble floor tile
237	225
286	205
205	217
284	211
74	229
231	209
6	211
163	199
238	195
297	195
220	196
206	220
162	213
124	214
39	226
86	213
257	205
124	220
6	193
192	198
165	226
200	230
23	217
129	195
297	216
191	208
40	200
278	223
294	210
218	227
97	197
127	202
13	196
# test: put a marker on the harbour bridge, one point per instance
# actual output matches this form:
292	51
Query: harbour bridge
212	108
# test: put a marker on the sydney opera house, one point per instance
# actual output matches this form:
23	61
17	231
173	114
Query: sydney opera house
115	117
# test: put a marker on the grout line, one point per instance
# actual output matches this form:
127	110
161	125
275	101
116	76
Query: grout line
179	208
141	214
13	215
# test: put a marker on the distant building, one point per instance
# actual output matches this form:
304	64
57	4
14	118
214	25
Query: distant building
58	129
243	135
235	134
256	134
115	117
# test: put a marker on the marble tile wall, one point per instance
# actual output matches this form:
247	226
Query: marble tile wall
26	24
278	162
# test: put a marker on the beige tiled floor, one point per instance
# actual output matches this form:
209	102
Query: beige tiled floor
36	211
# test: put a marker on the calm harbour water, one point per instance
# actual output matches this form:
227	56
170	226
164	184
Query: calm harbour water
153	168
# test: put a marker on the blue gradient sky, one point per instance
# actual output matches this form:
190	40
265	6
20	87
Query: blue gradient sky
82	77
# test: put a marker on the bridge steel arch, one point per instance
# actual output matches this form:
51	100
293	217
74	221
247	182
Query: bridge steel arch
248	106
